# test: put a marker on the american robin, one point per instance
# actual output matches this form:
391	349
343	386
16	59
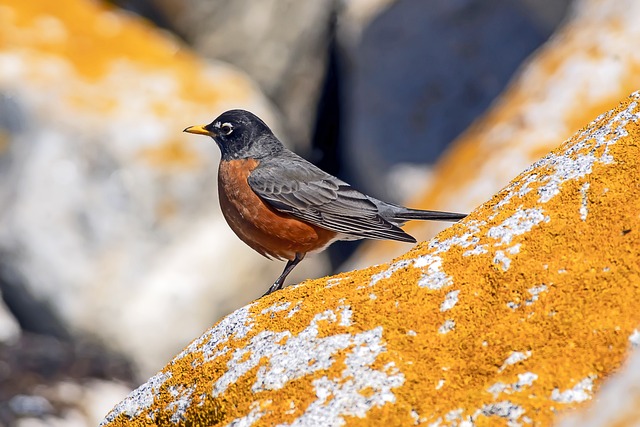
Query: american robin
285	207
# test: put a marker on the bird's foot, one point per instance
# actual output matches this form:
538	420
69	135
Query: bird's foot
275	287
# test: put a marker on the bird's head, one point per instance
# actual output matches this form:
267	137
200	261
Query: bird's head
240	134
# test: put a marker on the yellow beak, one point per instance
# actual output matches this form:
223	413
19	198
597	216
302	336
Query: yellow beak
198	129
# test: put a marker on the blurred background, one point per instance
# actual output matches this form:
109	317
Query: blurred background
113	251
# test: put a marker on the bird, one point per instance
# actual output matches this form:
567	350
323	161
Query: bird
284	206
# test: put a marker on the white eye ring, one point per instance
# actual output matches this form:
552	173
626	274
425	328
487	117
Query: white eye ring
226	128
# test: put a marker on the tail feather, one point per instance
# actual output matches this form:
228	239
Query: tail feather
408	214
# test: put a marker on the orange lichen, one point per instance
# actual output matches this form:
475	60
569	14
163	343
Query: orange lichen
521	310
94	38
618	403
585	68
115	74
174	153
89	34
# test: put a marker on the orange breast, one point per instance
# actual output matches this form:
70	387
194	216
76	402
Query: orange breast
266	230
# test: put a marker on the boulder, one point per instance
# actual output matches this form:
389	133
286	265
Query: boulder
106	205
618	401
9	326
516	314
46	381
416	78
281	44
589	64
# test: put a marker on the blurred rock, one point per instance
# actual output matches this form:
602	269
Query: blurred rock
49	381
90	398
32	314
67	404
590	63
547	14
420	74
618	402
9	327
30	406
281	44
106	204
514	315
354	17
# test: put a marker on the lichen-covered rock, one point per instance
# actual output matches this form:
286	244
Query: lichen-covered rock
106	204
513	315
417	79
618	401
590	63
281	44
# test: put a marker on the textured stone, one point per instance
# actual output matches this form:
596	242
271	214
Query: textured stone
618	402
9	327
585	68
53	380
281	44
515	314
107	205
419	75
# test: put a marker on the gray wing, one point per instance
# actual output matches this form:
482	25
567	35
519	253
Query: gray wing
297	187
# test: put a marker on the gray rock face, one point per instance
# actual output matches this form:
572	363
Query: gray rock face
9	327
281	44
420	74
105	203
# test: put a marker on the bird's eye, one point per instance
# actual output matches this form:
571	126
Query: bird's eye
226	128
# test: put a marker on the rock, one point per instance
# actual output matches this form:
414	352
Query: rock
9	327
281	44
30	405
515	314
547	14
58	382
589	64
91	397
355	16
419	75
67	404
106	203
618	402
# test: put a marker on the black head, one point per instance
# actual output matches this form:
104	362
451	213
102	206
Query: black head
240	135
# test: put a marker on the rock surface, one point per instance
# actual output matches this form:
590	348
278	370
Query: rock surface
618	402
419	75
67	404
513	315
586	67
9	327
50	381
106	204
281	44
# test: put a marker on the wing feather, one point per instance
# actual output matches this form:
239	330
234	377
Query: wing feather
297	187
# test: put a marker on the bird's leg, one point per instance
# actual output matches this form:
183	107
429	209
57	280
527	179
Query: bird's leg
277	285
